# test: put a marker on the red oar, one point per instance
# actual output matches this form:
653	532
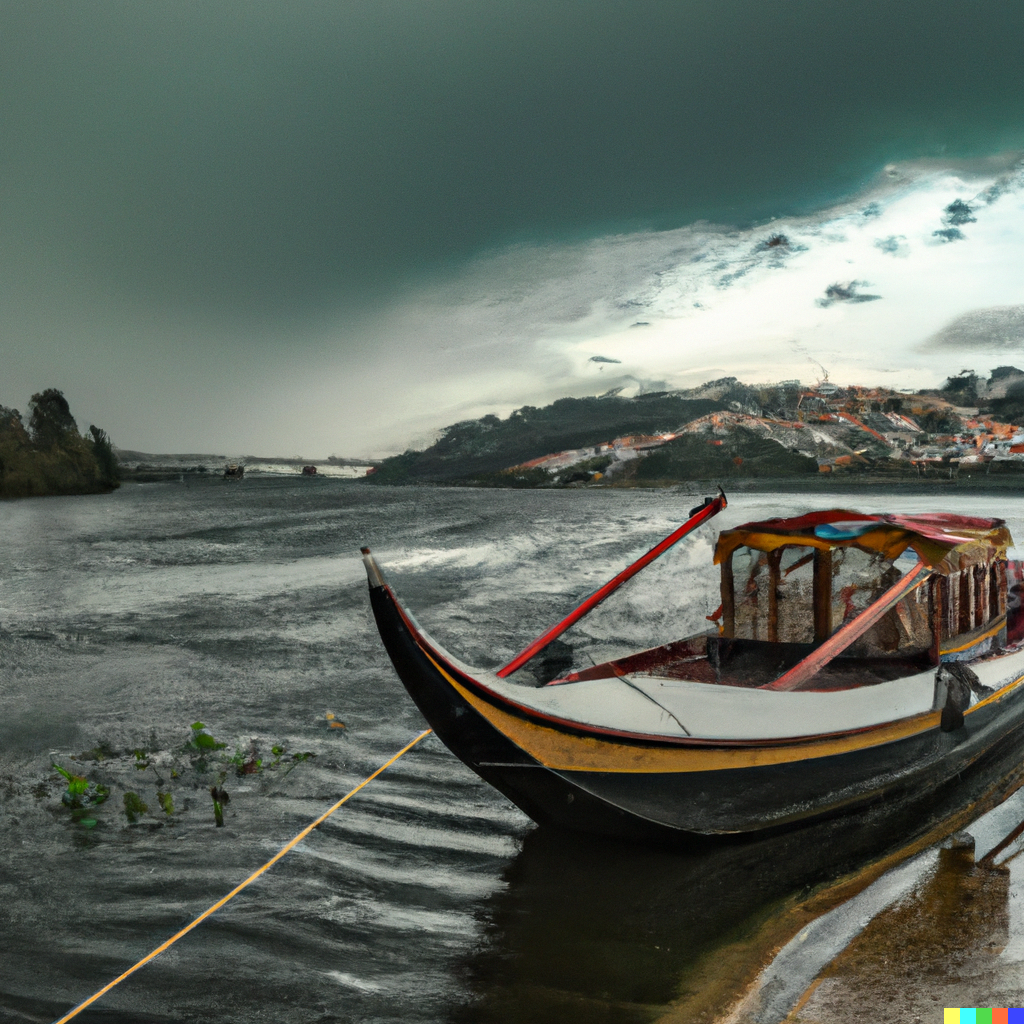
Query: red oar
711	507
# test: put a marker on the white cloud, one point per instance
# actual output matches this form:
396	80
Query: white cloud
522	325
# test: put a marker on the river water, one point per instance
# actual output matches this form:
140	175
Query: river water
125	618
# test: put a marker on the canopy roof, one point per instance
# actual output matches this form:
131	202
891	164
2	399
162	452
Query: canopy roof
933	536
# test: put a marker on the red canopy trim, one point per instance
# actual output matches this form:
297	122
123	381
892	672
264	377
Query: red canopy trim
933	536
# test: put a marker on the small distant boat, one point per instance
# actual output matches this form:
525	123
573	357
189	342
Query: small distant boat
233	471
854	658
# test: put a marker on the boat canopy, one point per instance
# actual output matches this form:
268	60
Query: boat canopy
944	542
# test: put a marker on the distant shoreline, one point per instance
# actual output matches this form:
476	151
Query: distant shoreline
145	467
837	486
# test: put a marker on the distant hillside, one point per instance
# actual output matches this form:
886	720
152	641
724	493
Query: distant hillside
488	445
725	429
742	453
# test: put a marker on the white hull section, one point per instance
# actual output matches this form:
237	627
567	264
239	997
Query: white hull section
652	706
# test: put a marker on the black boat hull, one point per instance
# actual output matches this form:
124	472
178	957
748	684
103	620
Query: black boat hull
694	793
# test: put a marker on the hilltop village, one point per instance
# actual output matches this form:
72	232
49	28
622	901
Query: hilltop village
727	429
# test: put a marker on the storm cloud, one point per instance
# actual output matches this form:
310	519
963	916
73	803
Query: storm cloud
198	193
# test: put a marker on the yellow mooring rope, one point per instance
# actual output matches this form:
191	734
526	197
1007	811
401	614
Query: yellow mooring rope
238	888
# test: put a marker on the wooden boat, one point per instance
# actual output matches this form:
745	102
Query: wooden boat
855	658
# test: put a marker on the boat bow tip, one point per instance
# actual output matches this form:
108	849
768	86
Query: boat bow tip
373	573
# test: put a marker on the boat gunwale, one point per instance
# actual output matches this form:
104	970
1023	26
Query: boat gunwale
926	720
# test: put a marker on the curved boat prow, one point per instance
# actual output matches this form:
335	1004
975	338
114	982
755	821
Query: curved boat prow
440	690
373	573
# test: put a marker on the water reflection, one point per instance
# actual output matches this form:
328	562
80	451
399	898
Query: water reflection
590	930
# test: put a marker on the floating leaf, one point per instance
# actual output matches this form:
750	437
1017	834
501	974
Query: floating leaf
80	792
202	739
166	802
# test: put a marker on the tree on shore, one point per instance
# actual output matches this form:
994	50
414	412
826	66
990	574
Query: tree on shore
50	420
51	456
103	453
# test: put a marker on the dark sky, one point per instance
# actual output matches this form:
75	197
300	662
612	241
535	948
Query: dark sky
222	186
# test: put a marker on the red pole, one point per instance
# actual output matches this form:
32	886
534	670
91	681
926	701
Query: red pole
713	507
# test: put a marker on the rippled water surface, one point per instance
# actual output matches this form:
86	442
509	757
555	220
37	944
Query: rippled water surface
125	618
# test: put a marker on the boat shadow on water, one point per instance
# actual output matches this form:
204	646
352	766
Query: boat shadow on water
597	930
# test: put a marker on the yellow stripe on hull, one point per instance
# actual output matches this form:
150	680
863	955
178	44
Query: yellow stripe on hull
974	640
567	752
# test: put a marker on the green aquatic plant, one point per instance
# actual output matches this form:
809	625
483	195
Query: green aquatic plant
206	756
220	798
202	739
81	793
201	742
247	764
297	759
252	764
134	806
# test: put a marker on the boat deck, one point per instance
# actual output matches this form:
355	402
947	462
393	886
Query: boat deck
751	663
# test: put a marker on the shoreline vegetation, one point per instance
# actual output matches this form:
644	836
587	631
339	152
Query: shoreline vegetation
50	456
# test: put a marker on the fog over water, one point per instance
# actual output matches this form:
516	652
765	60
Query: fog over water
330	228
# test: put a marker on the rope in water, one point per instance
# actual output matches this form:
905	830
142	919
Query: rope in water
238	888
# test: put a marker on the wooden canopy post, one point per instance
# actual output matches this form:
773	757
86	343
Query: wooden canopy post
822	593
728	597
965	613
774	579
936	592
